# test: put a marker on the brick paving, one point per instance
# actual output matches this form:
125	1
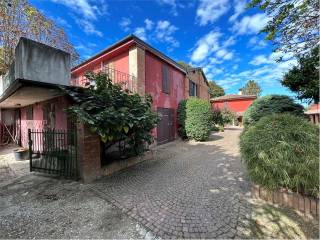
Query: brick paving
192	190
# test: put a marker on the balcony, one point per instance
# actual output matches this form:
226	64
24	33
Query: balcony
126	81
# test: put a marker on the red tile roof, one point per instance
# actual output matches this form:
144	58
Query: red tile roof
233	97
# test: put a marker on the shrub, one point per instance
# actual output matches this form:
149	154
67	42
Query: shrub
223	116
198	119
182	118
281	150
268	105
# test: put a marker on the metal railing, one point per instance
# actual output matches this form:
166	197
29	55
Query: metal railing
53	152
125	80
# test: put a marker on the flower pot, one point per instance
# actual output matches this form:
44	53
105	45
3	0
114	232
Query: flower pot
21	154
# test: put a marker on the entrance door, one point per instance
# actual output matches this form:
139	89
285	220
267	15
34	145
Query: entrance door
165	128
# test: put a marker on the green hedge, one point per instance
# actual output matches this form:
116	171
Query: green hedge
282	150
198	119
271	104
182	118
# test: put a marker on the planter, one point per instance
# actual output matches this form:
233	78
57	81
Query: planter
21	154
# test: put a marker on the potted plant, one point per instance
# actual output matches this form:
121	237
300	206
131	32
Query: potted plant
21	154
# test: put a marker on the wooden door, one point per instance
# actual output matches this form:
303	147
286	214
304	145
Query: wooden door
165	128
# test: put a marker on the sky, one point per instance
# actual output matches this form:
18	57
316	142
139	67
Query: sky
222	36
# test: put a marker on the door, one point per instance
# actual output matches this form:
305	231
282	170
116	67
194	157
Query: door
165	128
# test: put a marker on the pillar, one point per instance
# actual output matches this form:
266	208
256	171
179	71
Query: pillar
137	68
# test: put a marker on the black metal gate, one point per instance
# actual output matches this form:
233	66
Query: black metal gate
53	152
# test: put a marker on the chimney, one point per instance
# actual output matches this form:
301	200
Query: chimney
240	91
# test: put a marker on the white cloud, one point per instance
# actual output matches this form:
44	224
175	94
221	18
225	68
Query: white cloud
211	10
205	46
164	33
89	9
250	24
273	58
256	43
125	23
172	3
61	22
88	27
140	32
239	7
149	24
259	60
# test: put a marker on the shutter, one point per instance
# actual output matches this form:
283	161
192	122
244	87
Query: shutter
190	87
165	79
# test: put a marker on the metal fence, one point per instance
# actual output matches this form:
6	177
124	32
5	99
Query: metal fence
53	152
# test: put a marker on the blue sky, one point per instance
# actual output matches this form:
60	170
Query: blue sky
219	35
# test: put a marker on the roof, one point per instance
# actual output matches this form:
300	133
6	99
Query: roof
141	43
233	97
201	70
313	109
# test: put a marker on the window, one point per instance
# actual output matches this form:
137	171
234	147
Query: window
165	79
30	113
193	89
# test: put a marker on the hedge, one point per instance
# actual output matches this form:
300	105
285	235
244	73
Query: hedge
182	118
282	150
198	119
271	104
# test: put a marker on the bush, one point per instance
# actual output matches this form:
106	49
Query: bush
182	118
198	119
268	105
281	150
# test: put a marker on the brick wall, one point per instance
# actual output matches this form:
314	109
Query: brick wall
89	154
303	204
197	77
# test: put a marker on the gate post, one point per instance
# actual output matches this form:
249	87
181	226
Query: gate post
30	149
89	153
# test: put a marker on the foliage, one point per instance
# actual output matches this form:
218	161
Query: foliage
184	65
223	116
281	150
198	119
215	90
251	88
304	78
114	114
19	19
293	25
182	118
269	105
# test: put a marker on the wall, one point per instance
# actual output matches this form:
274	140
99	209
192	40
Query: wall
119	63
154	85
203	89
38	62
38	122
236	105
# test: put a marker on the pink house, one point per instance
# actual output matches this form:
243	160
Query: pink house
142	69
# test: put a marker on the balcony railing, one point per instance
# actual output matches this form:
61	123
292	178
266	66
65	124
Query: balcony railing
125	80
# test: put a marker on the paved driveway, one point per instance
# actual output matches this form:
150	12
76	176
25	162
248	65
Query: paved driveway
192	190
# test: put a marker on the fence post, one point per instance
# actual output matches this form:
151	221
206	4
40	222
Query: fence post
30	149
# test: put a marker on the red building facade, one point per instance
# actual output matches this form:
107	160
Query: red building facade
234	103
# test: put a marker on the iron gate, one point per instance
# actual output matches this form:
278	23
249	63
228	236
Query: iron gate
53	152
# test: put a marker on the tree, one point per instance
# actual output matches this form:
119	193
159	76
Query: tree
251	88
113	114
304	78
292	25
215	90
19	19
184	65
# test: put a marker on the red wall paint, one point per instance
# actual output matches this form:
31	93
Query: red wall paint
154	85
120	63
61	103
235	105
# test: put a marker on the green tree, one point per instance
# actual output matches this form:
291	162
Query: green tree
20	19
251	88
114	114
184	65
215	90
293	24
304	78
